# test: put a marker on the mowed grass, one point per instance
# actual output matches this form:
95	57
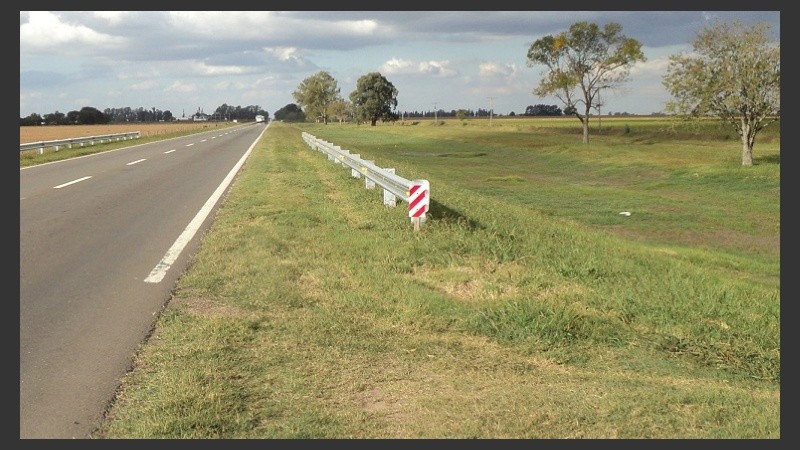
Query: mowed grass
526	306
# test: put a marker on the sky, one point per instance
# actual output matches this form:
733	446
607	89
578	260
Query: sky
190	61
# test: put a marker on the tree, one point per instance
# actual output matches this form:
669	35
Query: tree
340	109
374	98
316	94
33	119
581	62
734	73
56	118
543	110
290	113
91	116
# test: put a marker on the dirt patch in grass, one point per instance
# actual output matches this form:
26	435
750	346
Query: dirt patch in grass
205	307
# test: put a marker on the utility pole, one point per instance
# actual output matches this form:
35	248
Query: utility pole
435	112
599	114
491	109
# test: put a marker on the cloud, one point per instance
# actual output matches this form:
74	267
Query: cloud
397	66
491	69
146	85
179	86
657	66
214	70
112	17
45	30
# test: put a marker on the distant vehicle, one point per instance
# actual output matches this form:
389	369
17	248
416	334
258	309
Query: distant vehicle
259	118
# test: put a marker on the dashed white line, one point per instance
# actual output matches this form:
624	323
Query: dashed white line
169	151
71	182
136	162
160	270
189	145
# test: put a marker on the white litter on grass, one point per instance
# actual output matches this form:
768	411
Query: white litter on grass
625	213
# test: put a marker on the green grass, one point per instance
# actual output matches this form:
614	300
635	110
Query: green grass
526	306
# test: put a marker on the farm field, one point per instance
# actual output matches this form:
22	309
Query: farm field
526	306
56	132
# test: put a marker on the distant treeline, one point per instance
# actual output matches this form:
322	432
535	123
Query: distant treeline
93	116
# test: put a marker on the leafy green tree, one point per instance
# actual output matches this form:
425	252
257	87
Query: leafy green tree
91	116
56	118
374	98
316	94
340	110
733	73
581	62
33	119
290	113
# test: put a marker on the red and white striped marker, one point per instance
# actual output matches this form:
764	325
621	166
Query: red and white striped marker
418	201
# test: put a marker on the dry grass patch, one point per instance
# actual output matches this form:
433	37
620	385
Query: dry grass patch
203	306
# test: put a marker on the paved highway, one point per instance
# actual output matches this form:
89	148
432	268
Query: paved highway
103	239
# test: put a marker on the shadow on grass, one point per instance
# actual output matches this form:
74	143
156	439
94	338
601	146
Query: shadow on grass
448	215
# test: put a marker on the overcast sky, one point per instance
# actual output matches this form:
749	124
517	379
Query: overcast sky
182	61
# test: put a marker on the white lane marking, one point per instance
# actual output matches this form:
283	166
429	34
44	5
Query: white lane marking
203	140
189	145
169	151
35	166
71	182
136	162
158	272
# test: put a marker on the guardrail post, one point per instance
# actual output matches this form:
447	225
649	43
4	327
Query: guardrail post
353	172
368	183
389	199
418	201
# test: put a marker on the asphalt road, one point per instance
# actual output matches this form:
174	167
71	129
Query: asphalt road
103	239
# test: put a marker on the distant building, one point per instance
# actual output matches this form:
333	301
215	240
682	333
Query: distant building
200	116
183	117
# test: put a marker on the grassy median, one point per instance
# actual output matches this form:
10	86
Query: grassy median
526	306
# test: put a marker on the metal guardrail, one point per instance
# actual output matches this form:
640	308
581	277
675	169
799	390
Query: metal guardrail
394	185
91	140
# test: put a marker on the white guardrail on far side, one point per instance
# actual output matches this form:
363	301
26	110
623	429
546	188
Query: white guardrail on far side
414	192
68	143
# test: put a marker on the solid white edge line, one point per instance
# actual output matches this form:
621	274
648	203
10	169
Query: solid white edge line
160	270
